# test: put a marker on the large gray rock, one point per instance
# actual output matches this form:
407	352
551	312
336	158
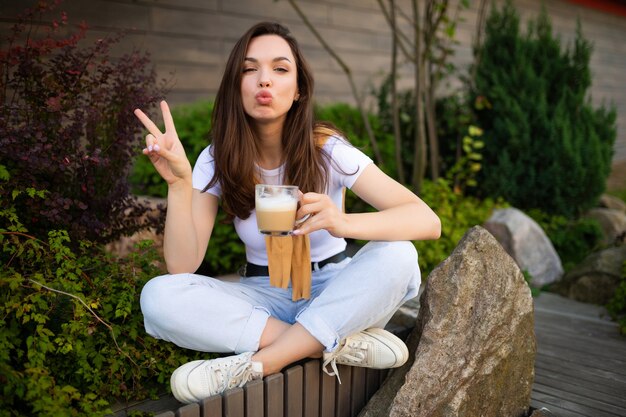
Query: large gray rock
527	243
473	347
596	278
612	222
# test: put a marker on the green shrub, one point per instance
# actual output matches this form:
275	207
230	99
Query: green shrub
573	239
458	214
546	146
617	305
71	331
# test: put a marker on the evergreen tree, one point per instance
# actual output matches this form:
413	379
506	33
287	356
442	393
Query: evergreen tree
546	146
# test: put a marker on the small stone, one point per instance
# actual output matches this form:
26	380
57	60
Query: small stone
527	243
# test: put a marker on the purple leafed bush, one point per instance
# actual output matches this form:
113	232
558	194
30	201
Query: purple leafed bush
67	128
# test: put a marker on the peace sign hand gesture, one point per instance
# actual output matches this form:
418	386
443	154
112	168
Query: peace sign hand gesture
165	150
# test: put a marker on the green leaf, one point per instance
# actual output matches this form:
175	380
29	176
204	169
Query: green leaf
450	30
4	174
475	131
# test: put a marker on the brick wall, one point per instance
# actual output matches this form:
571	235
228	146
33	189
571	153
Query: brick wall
190	40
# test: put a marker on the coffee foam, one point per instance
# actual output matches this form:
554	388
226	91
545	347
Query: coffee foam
280	203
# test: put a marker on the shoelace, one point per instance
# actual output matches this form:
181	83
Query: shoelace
354	352
236	375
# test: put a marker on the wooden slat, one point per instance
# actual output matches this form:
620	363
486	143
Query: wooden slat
212	406
587	359
575	402
312	370
609	339
580	367
327	395
274	389
614	355
596	328
253	401
582	375
372	382
608	333
189	410
357	396
233	402
383	375
571	386
556	410
608	376
293	391
342	404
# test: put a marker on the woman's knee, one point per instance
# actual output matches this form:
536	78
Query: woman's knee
405	251
401	263
398	254
155	297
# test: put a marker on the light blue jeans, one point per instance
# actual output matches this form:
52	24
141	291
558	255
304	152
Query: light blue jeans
209	315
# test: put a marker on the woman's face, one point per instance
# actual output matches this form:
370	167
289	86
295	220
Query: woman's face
269	84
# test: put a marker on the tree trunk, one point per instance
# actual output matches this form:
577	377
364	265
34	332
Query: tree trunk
419	159
357	97
394	94
433	140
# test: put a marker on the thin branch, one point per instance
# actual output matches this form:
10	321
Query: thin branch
419	159
480	28
395	111
346	69
89	281
21	234
399	36
108	326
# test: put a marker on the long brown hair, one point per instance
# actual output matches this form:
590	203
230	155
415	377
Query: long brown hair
234	143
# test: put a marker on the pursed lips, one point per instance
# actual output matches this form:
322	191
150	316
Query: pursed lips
263	97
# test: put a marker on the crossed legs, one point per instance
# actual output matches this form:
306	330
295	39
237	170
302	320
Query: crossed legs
282	344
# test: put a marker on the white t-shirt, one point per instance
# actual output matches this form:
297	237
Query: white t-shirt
344	156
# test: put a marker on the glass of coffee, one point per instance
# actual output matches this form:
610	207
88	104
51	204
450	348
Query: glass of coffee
276	207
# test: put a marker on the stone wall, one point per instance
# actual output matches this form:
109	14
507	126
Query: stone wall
190	40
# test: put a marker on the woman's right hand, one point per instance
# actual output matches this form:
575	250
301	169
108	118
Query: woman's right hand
165	150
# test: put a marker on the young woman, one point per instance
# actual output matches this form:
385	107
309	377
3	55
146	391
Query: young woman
263	132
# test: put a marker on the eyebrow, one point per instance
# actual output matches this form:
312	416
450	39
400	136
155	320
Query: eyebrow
278	58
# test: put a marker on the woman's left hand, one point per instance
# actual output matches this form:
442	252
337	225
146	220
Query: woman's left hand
323	214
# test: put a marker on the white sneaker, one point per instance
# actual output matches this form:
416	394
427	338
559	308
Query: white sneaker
200	379
371	348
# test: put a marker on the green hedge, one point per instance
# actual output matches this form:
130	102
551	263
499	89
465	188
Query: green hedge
546	146
71	330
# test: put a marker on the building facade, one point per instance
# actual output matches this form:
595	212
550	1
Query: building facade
189	41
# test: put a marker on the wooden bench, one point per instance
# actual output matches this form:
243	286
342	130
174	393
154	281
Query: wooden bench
301	390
